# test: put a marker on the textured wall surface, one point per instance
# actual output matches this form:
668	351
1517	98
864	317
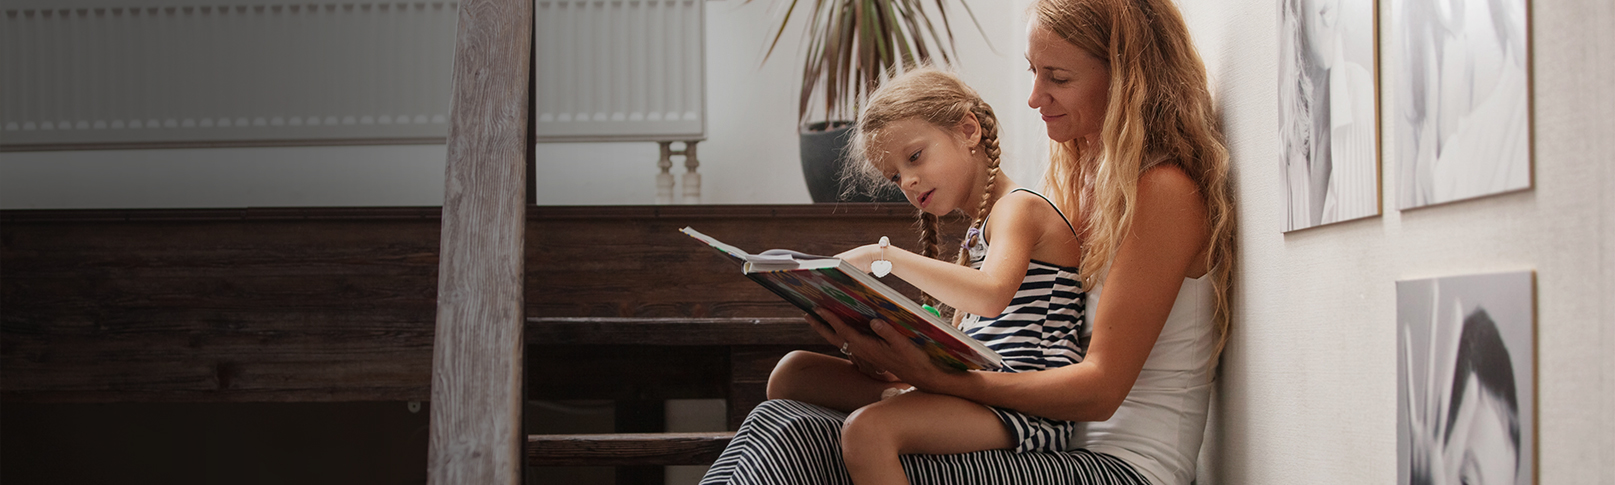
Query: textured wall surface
1308	391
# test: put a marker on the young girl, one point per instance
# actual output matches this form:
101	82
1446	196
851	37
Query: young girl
1014	286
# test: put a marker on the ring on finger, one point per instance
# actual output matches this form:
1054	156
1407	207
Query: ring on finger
846	351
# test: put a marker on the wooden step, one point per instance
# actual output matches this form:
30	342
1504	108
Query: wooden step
626	449
671	331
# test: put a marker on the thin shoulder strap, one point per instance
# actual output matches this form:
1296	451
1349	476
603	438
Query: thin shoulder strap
1040	196
1051	204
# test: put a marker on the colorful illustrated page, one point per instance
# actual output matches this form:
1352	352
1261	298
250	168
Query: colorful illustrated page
857	304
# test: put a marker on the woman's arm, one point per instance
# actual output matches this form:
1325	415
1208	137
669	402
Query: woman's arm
1168	233
1015	228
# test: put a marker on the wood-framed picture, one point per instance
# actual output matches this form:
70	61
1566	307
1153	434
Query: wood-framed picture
1462	110
1328	111
1466	387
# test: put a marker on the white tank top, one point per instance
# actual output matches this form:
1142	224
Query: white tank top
1159	427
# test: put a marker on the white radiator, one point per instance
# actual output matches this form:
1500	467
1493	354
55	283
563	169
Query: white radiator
111	73
619	70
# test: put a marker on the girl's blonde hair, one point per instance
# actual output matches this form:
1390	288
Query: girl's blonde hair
1159	111
941	99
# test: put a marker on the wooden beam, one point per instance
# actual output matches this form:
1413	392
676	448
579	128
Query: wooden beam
477	352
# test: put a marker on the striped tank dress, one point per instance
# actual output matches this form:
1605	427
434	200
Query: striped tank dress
1043	327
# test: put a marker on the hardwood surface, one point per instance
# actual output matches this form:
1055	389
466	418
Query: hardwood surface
671	331
477	354
314	304
318	304
626	449
585	269
218	305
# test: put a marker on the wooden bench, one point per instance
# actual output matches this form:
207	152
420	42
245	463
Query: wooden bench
332	305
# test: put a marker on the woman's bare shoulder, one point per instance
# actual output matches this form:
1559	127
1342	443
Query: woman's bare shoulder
1172	209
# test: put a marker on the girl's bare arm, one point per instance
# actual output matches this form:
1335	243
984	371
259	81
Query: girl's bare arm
1015	229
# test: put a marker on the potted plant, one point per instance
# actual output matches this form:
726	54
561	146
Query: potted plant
852	45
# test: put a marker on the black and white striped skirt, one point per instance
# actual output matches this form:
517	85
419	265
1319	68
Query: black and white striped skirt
790	442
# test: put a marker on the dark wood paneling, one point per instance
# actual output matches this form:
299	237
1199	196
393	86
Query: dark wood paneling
644	267
627	371
217	306
338	304
749	368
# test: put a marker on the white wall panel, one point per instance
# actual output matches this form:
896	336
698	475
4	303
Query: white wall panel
619	70
274	72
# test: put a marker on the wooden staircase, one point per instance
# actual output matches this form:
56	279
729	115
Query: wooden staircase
477	307
338	305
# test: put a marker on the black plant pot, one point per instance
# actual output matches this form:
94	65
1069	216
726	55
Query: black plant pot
823	156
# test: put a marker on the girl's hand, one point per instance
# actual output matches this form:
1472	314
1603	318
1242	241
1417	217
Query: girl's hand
887	350
861	256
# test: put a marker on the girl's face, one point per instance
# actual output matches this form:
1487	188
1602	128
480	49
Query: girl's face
1070	87
934	166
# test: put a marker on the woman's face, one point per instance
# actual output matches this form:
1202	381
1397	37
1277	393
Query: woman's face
1321	24
1070	87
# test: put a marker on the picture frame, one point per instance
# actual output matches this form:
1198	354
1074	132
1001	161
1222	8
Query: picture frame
1328	111
1466	379
1462	116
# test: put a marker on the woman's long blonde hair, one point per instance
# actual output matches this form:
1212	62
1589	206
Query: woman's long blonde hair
943	100
1159	111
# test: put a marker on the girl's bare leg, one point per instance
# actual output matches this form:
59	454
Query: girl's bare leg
915	423
832	382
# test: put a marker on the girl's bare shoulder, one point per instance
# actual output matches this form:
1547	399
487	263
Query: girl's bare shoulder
1053	239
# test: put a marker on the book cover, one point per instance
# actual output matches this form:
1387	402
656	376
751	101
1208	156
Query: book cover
810	282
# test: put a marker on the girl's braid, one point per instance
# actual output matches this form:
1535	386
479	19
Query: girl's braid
930	242
989	146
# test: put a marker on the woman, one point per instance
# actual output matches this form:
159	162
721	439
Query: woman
1139	165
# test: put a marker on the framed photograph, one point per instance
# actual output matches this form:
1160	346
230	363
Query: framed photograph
1328	111
1465	380
1462	115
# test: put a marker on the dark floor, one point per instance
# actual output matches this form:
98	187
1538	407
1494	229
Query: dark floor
248	443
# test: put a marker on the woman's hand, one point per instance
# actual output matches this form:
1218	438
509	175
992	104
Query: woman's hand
830	335
887	350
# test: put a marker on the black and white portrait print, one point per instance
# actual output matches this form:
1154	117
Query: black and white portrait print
1462	111
1465	380
1327	118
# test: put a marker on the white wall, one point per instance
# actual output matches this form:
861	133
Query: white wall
750	155
1308	389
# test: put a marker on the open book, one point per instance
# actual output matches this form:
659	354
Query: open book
811	282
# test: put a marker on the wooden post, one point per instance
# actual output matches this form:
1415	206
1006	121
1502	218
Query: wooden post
477	350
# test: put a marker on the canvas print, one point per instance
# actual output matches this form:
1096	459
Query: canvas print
1465	373
1462	114
1328	123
